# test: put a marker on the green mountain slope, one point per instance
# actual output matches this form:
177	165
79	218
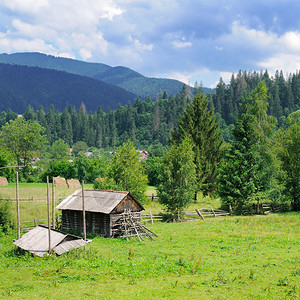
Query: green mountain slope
120	76
21	86
35	59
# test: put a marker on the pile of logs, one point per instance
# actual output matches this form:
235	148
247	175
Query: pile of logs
128	224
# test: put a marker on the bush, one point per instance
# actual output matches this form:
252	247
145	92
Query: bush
5	215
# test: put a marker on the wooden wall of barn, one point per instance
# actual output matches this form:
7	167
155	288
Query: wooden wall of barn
127	204
96	223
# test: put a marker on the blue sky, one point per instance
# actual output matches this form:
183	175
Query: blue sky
190	40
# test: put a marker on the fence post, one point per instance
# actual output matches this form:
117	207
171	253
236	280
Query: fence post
151	217
53	204
199	213
83	212
18	205
48	205
213	211
152	198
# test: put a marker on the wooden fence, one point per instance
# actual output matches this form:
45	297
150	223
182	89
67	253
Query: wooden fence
150	218
205	212
27	225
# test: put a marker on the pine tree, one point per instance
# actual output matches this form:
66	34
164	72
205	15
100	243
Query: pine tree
198	123
287	149
238	171
67	132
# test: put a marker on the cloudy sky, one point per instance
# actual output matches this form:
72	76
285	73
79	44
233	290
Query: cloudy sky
189	40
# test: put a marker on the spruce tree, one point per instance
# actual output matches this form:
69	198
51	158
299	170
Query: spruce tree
198	123
238	171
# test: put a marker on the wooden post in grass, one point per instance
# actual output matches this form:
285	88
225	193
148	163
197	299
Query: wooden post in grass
53	204
151	217
213	211
48	206
199	213
83	212
18	204
230	209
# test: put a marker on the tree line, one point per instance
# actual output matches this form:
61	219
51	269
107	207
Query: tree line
283	94
147	123
259	161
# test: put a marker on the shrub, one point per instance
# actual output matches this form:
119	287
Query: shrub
5	215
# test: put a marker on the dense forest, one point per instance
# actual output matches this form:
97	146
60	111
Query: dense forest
146	122
260	126
21	86
284	94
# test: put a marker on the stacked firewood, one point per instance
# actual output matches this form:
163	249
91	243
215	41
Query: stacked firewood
128	224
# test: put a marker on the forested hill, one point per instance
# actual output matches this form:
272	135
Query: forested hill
21	86
120	76
283	94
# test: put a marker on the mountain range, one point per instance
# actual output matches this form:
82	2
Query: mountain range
36	79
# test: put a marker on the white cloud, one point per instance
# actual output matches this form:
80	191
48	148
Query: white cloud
289	63
110	11
27	6
181	44
291	40
38	45
85	54
142	47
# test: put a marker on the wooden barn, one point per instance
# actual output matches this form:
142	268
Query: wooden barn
102	211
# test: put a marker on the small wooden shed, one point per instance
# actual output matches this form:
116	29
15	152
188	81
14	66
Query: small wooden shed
102	210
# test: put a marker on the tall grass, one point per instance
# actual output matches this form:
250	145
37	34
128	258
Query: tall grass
254	257
224	258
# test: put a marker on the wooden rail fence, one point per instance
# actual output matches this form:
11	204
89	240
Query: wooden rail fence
205	212
150	218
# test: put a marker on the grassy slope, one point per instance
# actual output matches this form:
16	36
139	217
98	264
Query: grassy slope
229	257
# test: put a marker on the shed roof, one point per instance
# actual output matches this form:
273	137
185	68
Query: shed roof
36	241
95	201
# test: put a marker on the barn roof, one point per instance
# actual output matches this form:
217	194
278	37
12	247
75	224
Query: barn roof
36	241
95	201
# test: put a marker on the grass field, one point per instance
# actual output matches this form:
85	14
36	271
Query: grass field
254	257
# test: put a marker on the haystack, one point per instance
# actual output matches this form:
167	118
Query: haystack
73	184
59	181
3	181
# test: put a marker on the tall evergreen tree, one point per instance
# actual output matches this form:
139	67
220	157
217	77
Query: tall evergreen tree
198	123
239	167
287	148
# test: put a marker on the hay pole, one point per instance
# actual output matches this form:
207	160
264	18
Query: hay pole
53	204
18	205
48	206
83	212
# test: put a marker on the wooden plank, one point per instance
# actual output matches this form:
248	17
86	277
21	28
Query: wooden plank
151	217
199	213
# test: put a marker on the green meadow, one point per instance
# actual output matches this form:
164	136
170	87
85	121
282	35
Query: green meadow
233	257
